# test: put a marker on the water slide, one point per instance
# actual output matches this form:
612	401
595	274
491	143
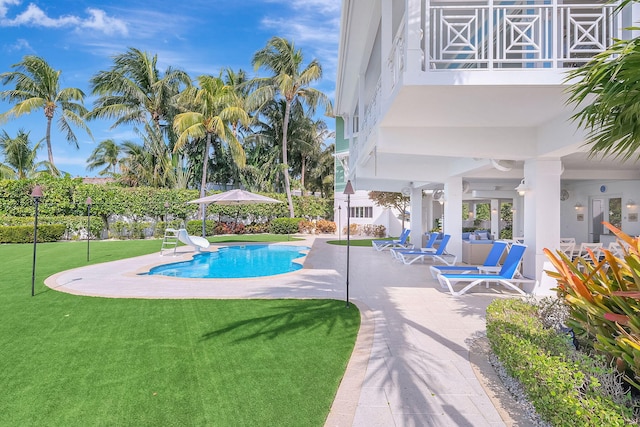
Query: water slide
195	241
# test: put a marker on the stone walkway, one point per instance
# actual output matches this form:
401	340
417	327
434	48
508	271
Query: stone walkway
417	361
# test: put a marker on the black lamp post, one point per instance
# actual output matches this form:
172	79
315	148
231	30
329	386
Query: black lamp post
348	190
36	194
88	224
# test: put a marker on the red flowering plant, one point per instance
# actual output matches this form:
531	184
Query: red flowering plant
603	296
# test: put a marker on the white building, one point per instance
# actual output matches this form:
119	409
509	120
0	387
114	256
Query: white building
469	97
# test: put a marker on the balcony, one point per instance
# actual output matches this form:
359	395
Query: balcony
494	35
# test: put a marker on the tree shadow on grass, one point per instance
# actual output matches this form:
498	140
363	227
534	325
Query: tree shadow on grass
293	317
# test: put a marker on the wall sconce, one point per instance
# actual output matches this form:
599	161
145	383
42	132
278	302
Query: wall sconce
522	188
631	204
494	211
578	206
513	210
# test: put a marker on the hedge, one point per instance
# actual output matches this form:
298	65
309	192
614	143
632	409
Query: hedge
563	386
24	234
284	225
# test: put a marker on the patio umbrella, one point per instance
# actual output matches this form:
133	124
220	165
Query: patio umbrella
233	197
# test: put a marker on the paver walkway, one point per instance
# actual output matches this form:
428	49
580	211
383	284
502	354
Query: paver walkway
412	362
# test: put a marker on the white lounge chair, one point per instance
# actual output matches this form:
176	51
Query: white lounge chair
401	242
507	276
409	256
492	261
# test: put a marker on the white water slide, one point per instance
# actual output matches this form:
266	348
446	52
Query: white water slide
195	241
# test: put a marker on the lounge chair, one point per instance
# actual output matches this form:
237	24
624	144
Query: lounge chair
492	260
506	276
401	242
413	255
427	248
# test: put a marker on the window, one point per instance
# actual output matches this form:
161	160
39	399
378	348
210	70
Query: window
361	212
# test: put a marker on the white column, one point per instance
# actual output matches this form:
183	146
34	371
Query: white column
453	214
415	223
541	212
386	44
517	226
415	55
495	218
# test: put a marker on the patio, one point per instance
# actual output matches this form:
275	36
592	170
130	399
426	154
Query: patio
416	361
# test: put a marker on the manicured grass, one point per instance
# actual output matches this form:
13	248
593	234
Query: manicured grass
354	242
70	360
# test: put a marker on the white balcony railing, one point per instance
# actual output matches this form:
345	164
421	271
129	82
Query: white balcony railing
504	35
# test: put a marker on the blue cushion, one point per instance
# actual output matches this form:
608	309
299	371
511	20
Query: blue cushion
465	236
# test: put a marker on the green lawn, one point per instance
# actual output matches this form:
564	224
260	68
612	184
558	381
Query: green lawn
70	360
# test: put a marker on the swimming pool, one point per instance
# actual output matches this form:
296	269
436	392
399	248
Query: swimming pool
236	262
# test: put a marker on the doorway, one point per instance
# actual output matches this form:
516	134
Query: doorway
597	216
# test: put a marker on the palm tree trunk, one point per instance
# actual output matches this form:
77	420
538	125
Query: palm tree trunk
302	168
287	185
48	138
203	183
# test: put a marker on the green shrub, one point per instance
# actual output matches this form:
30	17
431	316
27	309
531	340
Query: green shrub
24	234
284	225
194	228
563	388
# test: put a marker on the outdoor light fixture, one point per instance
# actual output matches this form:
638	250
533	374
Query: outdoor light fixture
631	204
577	206
36	194
522	188
348	190
88	224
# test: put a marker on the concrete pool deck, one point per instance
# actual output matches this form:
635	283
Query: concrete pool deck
419	360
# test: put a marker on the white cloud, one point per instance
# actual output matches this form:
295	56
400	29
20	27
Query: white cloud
33	16
99	21
19	45
3	6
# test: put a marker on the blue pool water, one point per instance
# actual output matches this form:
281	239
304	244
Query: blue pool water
236	262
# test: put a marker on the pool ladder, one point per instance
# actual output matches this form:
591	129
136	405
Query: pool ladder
170	241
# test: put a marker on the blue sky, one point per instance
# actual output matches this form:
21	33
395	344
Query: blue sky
79	38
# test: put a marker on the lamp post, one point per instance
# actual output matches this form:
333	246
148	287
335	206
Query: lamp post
88	224
36	194
348	190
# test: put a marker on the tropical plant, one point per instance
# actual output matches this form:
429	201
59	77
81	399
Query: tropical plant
37	86
603	297
106	155
20	158
290	82
608	84
133	91
388	199
321	178
208	112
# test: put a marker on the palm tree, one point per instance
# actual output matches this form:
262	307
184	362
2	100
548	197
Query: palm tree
208	112
134	92
610	84
291	83
107	155
19	157
37	86
133	164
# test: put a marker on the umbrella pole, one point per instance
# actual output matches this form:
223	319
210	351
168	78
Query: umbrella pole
204	217
233	230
